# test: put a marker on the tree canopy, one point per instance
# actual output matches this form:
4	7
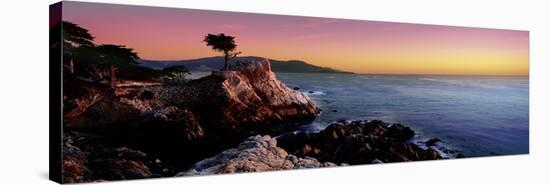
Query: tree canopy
71	35
116	55
87	60
222	43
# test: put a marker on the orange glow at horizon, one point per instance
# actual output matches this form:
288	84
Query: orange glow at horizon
348	45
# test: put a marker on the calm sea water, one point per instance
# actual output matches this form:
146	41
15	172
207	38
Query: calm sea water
476	116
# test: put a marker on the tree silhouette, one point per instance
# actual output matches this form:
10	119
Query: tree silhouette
70	36
223	43
116	56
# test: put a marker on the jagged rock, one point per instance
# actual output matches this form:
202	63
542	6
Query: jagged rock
184	124
257	153
432	142
400	132
248	99
358	142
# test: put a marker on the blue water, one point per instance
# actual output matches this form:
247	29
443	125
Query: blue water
476	116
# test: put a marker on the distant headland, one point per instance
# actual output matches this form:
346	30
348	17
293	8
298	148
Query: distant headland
208	64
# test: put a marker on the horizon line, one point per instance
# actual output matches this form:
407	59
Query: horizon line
344	71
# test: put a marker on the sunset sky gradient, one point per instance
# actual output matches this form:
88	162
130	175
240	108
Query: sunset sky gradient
349	45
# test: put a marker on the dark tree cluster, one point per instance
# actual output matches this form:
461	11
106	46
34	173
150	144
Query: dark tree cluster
84	59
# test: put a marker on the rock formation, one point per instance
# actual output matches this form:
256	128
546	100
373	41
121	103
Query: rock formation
180	124
358	142
247	100
153	131
255	154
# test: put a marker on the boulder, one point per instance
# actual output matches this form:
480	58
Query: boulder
432	142
257	153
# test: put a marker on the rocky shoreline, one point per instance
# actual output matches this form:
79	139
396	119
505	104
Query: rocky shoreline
221	123
358	142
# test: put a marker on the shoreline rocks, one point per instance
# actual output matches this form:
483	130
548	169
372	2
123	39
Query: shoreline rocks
358	142
214	125
255	154
179	124
432	142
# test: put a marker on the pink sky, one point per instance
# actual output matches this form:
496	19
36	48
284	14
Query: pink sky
350	45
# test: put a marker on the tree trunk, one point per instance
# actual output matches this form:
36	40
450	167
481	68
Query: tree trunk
113	78
226	56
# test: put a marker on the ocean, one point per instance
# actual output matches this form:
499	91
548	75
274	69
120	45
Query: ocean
471	115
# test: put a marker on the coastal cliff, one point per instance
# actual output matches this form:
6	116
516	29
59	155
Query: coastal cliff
248	99
232	121
181	124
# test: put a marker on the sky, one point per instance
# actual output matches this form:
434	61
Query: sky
349	45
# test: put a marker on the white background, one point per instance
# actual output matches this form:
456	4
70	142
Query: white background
24	91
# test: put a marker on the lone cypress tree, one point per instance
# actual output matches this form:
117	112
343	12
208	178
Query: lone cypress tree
223	43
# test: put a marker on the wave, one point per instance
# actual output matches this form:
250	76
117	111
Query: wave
444	149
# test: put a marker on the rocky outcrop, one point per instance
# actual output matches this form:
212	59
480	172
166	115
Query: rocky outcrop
181	124
247	100
358	142
255	154
218	111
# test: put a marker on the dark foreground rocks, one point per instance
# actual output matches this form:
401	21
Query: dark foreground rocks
86	160
358	142
255	154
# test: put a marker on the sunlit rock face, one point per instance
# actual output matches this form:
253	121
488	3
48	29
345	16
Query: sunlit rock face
249	98
257	153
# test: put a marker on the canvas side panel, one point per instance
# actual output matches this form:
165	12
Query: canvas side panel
56	95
